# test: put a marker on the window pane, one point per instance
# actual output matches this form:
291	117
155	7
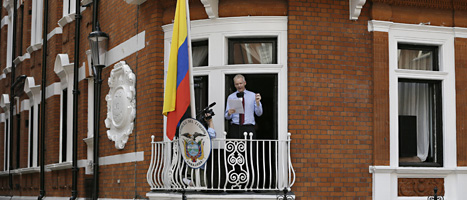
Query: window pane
64	124
252	51
267	85
417	57
31	136
201	92
200	53
420	121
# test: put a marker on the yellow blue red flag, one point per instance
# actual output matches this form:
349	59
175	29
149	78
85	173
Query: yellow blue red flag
177	89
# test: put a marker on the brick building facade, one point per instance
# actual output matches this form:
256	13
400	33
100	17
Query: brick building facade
346	78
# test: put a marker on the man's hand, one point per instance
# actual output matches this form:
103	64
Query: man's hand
231	111
257	98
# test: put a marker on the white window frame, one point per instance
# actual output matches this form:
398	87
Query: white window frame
64	69
68	17
69	5
9	23
5	104
385	177
446	75
218	31
33	91
36	25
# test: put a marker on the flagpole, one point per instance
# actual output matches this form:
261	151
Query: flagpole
190	63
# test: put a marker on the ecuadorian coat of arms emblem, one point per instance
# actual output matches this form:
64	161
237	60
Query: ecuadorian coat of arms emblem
194	143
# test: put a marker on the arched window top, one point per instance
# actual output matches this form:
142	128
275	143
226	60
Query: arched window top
62	66
31	89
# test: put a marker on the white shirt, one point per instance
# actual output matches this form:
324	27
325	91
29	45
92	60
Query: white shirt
251	108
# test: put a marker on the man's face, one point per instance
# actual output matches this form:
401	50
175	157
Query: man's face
240	84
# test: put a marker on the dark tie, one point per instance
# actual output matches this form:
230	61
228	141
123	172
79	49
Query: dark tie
242	116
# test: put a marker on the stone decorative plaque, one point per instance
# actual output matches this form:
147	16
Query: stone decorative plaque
121	104
419	186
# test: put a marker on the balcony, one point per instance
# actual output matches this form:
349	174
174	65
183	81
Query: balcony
235	167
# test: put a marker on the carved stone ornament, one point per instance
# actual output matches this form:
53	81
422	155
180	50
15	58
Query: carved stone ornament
121	104
419	186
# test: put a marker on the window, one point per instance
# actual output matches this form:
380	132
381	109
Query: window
241	46
200	53
201	94
31	136
69	7
16	150
38	125
9	42
6	163
64	128
420	108
36	22
252	51
64	70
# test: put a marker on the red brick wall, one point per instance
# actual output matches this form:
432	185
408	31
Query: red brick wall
381	98
337	92
461	106
330	100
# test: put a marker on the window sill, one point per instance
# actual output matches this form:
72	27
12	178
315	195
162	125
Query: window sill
34	47
20	59
29	170
60	166
417	170
7	70
66	19
4	173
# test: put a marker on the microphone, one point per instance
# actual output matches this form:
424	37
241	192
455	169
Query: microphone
211	105
240	95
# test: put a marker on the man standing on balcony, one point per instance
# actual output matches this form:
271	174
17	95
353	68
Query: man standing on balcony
243	122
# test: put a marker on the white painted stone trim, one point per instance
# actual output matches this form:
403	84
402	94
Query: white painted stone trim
52	90
59	166
122	158
56	31
22	58
211	7
34	47
4	21
355	8
385	26
460	32
25	105
125	49
66	19
5	101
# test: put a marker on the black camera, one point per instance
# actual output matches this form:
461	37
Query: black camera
202	115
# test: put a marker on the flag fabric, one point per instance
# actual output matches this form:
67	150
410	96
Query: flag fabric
177	90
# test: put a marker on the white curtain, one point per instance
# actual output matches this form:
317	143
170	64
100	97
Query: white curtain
257	53
415	99
199	55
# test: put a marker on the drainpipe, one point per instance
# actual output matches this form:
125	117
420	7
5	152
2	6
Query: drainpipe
74	190
97	105
43	88
12	90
